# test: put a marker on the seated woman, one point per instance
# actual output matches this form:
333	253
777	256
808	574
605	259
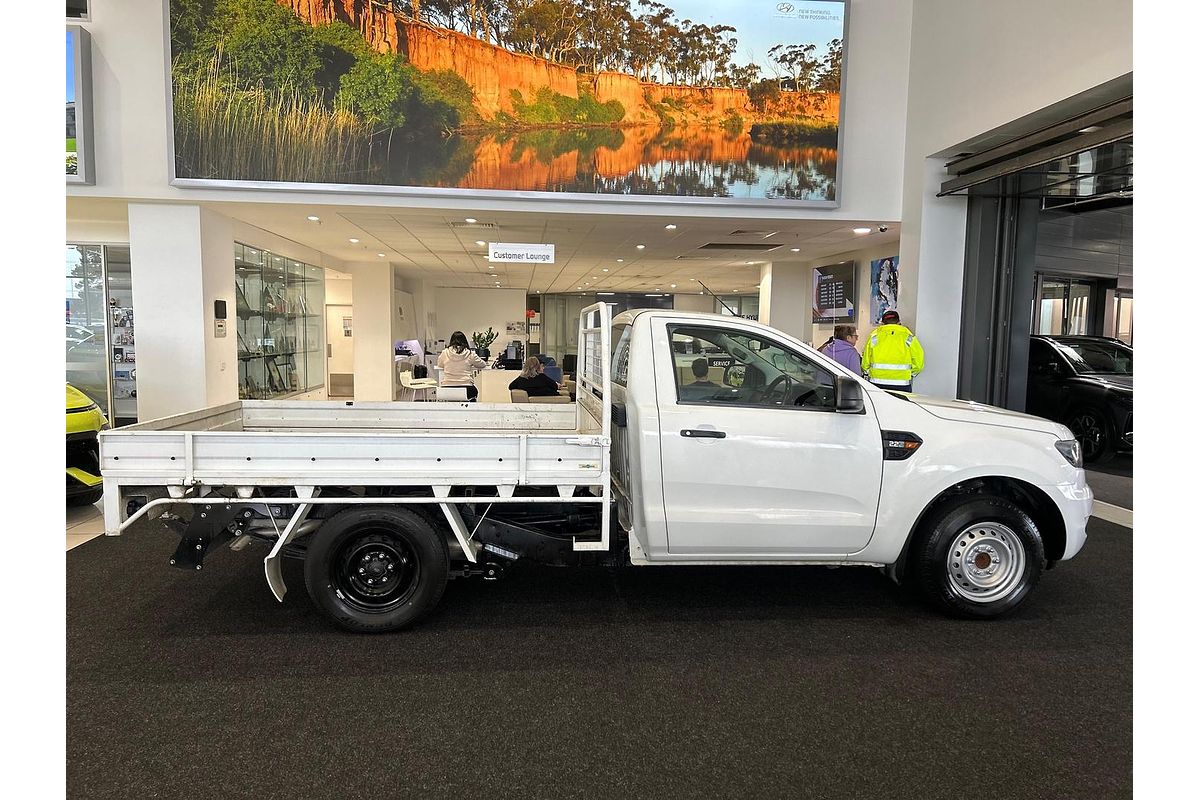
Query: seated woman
534	381
458	362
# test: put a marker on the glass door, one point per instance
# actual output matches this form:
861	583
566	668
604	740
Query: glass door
87	333
1124	317
1062	306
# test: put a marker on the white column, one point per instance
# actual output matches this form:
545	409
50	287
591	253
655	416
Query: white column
932	256
783	300
374	354
181	259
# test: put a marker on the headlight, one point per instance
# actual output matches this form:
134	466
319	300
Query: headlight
1071	451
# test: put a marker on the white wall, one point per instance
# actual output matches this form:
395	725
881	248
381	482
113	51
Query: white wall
181	261
976	65
862	298
471	310
404	325
339	291
130	70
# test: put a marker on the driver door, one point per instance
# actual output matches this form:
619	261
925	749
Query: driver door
756	462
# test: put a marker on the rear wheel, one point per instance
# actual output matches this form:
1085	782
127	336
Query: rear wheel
979	556
376	569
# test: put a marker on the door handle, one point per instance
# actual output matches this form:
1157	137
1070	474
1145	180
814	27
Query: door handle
700	433
329	350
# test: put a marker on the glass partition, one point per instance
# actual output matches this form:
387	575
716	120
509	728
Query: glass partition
280	323
87	335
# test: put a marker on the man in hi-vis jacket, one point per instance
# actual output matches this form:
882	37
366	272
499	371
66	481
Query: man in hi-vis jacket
893	355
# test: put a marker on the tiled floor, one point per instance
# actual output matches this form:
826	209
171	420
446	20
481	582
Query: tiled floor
83	523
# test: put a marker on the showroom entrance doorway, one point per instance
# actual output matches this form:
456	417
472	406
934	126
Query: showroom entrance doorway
339	350
1049	240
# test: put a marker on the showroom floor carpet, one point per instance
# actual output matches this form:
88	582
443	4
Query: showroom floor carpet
640	682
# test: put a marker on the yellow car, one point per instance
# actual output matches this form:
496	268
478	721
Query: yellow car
84	421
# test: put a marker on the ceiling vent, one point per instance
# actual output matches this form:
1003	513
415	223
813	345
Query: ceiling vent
475	226
761	234
741	247
694	258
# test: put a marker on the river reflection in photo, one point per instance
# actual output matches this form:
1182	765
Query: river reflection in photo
644	160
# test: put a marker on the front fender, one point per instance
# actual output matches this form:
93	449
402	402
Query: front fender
954	453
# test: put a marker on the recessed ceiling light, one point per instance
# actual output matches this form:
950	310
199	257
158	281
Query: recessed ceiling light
313	218
472	220
480	242
672	227
578	287
641	247
795	249
539	291
606	293
604	270
381	255
751	262
620	260
354	241
692	280
490	266
861	231
672	286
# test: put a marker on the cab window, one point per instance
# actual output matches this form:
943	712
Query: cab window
723	366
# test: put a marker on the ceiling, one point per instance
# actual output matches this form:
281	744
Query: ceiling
592	251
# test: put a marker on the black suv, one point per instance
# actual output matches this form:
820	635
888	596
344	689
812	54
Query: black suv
1086	383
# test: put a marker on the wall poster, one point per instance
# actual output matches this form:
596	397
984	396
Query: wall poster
79	149
833	291
686	98
885	287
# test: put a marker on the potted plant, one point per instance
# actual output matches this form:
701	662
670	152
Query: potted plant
483	341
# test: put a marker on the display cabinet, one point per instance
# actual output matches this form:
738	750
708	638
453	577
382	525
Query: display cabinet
280	324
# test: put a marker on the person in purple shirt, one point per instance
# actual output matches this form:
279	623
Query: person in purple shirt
840	348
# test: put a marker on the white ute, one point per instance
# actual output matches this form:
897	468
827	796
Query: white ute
715	440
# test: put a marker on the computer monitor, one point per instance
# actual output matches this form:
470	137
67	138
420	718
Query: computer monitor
568	362
409	347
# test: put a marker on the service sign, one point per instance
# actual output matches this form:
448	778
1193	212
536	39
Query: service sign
506	253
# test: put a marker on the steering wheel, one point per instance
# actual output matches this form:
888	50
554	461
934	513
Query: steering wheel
769	392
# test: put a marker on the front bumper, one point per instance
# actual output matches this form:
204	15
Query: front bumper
83	463
1074	501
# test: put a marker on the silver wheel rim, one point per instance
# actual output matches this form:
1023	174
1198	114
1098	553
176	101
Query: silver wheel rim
985	562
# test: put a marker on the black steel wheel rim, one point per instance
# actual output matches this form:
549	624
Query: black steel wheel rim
1090	431
375	570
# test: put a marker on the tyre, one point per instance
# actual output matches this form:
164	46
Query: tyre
978	556
90	497
1095	434
376	569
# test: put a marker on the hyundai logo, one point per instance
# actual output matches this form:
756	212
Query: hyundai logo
785	8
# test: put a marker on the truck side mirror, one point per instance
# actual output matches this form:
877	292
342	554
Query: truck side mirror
849	396
735	375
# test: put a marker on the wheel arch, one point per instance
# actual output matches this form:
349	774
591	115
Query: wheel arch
1033	500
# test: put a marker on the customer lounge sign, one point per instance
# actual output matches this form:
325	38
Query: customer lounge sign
502	253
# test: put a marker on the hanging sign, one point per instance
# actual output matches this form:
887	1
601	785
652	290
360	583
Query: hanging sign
503	253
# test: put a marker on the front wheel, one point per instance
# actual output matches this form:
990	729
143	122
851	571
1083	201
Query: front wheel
376	569
979	556
1095	434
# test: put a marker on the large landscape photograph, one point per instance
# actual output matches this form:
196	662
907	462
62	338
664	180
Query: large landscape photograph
627	97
